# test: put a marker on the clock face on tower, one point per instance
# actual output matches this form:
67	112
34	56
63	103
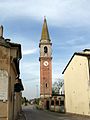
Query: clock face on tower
45	63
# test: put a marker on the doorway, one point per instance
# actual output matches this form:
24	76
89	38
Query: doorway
47	105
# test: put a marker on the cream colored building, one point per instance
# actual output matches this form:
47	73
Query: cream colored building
10	97
77	83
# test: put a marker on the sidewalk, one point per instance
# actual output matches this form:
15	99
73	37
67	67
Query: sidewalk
21	116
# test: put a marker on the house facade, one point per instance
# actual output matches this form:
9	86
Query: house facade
10	99
57	103
77	83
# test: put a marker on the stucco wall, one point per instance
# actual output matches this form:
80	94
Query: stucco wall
4	79
3	110
76	80
17	104
14	98
11	92
8	75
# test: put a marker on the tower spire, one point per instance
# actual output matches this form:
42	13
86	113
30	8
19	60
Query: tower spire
45	33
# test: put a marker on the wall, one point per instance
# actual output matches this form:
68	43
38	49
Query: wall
4	80
11	92
76	80
45	77
14	98
10	103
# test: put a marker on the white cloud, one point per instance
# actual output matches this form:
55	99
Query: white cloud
75	43
58	12
27	52
29	67
29	71
30	77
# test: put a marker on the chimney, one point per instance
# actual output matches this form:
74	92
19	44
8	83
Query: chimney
1	31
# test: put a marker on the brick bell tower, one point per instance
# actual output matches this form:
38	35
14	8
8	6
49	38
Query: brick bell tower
45	63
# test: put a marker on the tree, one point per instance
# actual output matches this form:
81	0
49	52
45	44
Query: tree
56	86
24	100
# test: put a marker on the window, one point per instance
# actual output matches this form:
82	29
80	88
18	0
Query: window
45	49
61	103
52	102
57	102
46	85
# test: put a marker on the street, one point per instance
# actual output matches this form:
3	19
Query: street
31	113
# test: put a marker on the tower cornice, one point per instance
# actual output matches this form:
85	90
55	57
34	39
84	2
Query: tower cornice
45	58
44	44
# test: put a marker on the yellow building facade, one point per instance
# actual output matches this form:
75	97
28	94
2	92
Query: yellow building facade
77	83
10	100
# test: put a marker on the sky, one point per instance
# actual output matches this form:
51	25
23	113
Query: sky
69	28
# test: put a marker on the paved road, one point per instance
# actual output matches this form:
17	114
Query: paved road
33	114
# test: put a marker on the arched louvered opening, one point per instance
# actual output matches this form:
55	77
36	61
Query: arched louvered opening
45	49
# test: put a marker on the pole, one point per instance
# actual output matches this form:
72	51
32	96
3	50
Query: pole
37	91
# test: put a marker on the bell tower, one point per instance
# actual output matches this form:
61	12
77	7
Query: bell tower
45	63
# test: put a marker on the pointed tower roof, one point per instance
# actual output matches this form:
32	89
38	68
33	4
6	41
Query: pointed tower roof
45	33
